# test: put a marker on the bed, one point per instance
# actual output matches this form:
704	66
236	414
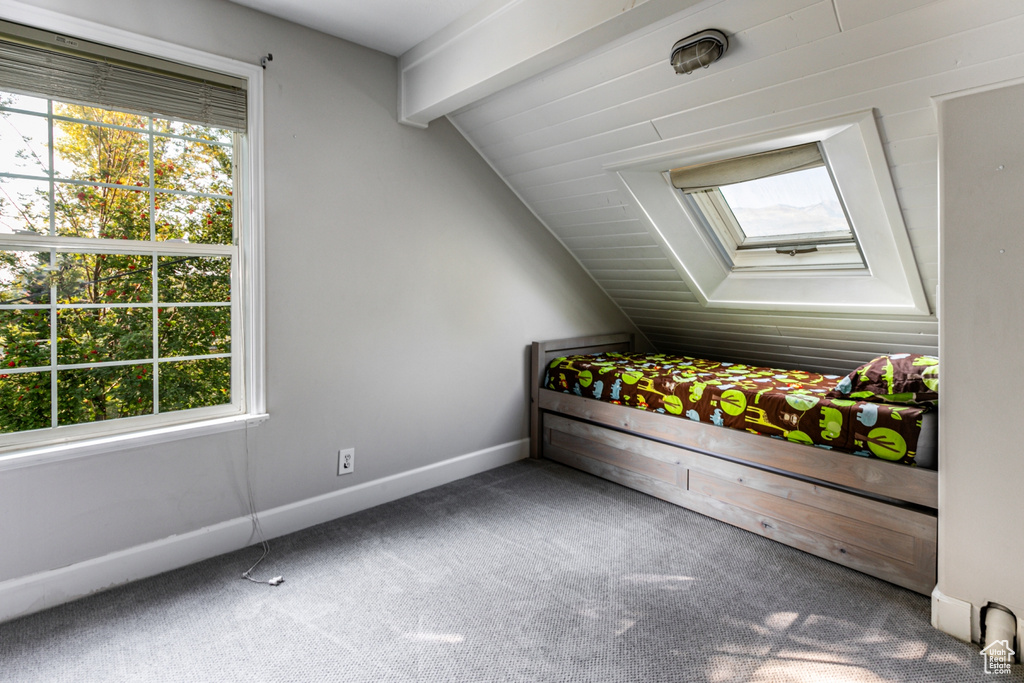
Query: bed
868	510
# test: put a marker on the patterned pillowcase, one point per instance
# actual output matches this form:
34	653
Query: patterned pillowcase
907	378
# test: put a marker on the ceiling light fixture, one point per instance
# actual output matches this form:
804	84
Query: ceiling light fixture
698	50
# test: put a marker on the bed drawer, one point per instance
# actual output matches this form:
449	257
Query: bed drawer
889	541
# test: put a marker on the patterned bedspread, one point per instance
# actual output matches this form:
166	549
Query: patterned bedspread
789	404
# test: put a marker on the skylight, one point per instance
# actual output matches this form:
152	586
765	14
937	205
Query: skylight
772	210
800	219
802	204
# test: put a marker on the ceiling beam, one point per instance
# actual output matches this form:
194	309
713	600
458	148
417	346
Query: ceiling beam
501	43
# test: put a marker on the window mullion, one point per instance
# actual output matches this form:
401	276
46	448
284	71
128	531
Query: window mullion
90	245
52	271
155	266
53	335
50	170
152	186
155	297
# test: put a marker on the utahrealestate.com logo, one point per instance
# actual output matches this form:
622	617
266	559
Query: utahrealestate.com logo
998	657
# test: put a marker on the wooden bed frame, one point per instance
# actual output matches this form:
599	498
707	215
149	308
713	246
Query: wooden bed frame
874	516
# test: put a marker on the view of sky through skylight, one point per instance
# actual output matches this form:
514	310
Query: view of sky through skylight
798	203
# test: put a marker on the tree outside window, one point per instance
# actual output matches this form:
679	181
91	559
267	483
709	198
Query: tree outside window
117	237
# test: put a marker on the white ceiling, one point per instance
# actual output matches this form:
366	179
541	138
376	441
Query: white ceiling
566	140
391	26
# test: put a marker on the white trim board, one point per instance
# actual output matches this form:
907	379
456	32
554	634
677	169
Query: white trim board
25	595
951	615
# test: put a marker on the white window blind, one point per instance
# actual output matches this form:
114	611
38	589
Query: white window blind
742	169
40	63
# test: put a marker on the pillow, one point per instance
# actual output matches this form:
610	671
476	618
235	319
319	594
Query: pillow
907	378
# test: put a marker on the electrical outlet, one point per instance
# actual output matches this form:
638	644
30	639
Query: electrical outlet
346	461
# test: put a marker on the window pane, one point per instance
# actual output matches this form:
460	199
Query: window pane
24	339
195	384
24	278
95	335
24	205
98	153
100	394
24	401
187	279
98	211
104	278
192	166
199	220
25	102
195	330
803	203
24	144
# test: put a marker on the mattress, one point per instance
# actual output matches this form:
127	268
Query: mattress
784	404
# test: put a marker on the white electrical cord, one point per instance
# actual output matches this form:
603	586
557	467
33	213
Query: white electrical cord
257	530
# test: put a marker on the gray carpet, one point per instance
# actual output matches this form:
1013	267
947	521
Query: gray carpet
531	572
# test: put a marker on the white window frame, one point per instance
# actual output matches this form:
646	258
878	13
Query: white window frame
889	284
837	249
248	314
832	250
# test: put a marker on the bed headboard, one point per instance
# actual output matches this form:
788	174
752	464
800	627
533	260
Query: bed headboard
546	351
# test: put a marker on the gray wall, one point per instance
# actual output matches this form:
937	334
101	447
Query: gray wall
397	262
981	484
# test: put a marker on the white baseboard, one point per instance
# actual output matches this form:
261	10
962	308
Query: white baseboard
25	595
951	615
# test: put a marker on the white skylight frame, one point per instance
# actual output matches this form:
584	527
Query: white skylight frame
817	248
889	284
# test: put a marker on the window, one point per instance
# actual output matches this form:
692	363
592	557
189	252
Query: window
800	219
124	221
774	210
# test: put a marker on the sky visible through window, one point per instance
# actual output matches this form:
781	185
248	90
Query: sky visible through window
800	203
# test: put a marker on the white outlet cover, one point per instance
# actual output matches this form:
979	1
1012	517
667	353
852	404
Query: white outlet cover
346	461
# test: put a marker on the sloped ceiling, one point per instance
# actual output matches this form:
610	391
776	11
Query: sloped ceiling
553	129
553	137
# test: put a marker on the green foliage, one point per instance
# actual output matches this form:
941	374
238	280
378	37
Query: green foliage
25	338
121	193
22	398
187	331
195	383
194	279
103	394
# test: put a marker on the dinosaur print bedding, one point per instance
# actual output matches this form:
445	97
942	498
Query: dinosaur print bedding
787	404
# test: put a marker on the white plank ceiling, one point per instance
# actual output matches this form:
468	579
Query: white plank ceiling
790	62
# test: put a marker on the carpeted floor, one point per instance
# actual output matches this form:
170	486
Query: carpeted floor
531	572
